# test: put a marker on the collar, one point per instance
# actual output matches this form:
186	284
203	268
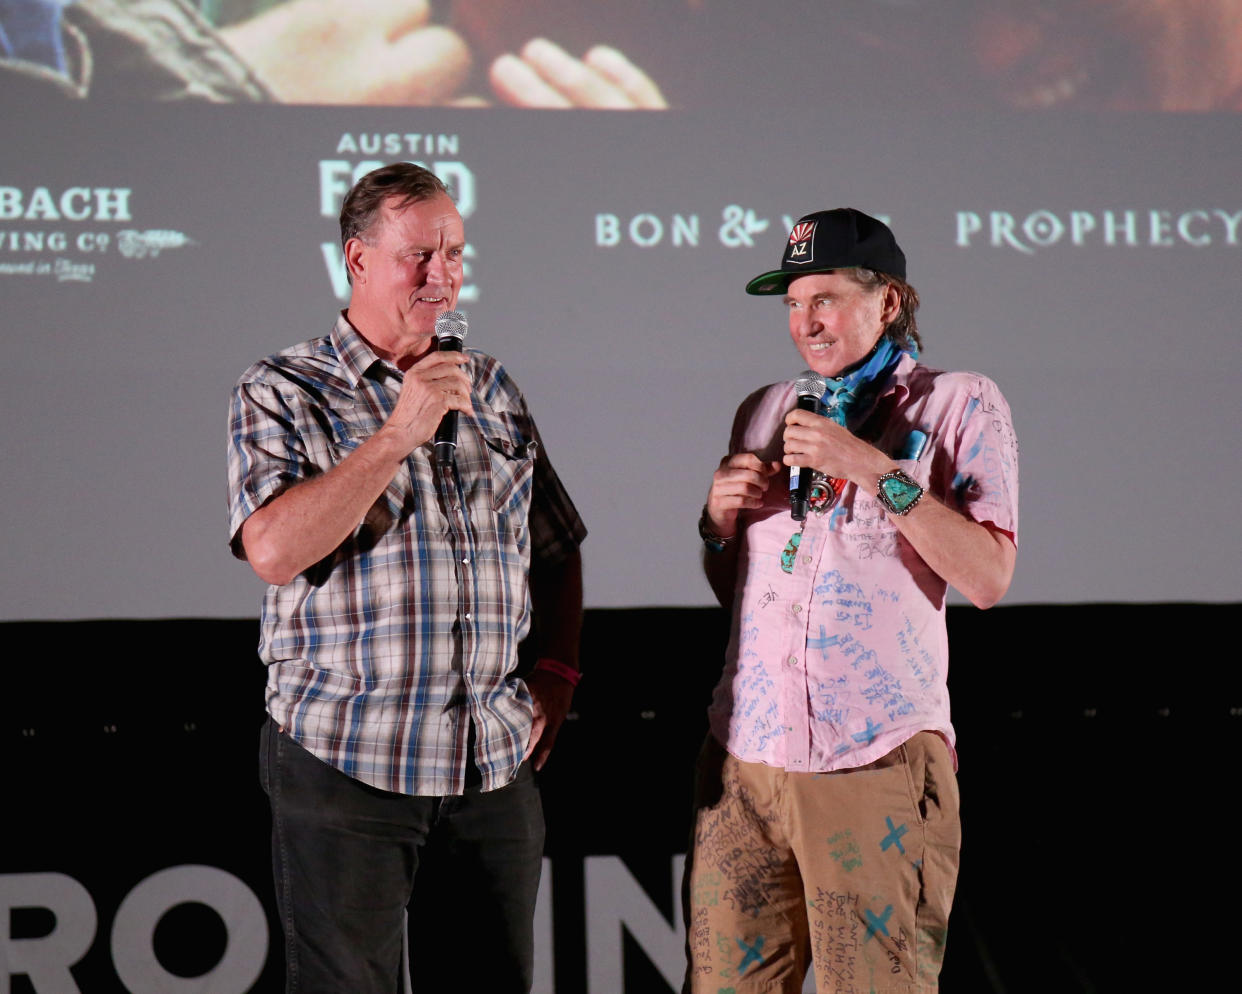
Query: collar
899	381
353	352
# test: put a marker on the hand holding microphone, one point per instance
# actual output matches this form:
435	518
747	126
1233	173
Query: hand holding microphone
823	456
436	387
810	387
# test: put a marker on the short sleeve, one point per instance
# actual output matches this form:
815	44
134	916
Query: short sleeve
556	528
985	482
266	455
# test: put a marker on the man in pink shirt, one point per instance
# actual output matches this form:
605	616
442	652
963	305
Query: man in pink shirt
826	828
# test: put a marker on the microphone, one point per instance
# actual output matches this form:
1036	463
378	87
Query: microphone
810	386
450	330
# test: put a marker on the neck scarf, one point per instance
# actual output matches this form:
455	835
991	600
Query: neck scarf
851	396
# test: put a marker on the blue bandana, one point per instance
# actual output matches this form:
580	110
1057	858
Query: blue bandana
849	397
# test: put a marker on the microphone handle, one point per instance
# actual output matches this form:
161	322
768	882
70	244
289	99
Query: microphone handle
446	437
800	476
446	434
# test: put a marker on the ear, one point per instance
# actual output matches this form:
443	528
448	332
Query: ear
355	259
891	306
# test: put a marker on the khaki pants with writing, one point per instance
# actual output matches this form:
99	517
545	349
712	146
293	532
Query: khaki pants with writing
851	871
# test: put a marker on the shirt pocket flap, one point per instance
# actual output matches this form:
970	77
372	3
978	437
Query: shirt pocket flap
512	450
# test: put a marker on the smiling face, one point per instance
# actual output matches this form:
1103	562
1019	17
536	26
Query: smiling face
834	321
407	270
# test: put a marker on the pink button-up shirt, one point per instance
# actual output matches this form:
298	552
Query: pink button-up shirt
838	652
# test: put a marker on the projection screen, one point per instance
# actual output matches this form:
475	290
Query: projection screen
1062	175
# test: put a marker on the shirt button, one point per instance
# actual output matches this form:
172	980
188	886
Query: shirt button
806	559
469	617
465	562
797	609
793	660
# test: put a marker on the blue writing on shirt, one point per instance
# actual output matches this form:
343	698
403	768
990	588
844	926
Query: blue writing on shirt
884	692
921	662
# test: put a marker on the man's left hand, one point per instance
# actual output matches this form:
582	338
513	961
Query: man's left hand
367	52
552	696
820	443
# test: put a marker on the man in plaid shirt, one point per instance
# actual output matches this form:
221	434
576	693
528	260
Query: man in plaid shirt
400	585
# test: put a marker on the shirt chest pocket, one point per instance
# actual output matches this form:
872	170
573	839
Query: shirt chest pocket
346	429
511	451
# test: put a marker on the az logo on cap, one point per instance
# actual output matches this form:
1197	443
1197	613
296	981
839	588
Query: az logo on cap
801	242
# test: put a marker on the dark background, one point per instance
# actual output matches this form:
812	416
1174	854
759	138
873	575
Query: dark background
1096	746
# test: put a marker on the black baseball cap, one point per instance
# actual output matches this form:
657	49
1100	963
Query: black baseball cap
842	238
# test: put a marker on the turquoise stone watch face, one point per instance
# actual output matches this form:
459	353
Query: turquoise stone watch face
901	491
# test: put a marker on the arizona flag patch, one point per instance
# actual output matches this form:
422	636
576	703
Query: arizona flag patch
801	243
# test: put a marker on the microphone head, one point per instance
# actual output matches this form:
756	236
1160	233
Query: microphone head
810	384
451	325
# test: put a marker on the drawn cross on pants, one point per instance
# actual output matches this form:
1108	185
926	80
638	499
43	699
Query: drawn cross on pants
753	954
875	924
894	836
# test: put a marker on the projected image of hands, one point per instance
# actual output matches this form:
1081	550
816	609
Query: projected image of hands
392	52
1016	55
1161	55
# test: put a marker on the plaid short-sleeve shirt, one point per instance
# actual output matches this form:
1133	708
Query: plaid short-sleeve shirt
382	655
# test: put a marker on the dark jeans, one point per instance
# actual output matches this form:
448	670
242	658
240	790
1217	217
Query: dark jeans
344	857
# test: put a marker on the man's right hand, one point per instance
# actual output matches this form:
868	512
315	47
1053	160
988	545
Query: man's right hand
309	520
432	387
739	483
